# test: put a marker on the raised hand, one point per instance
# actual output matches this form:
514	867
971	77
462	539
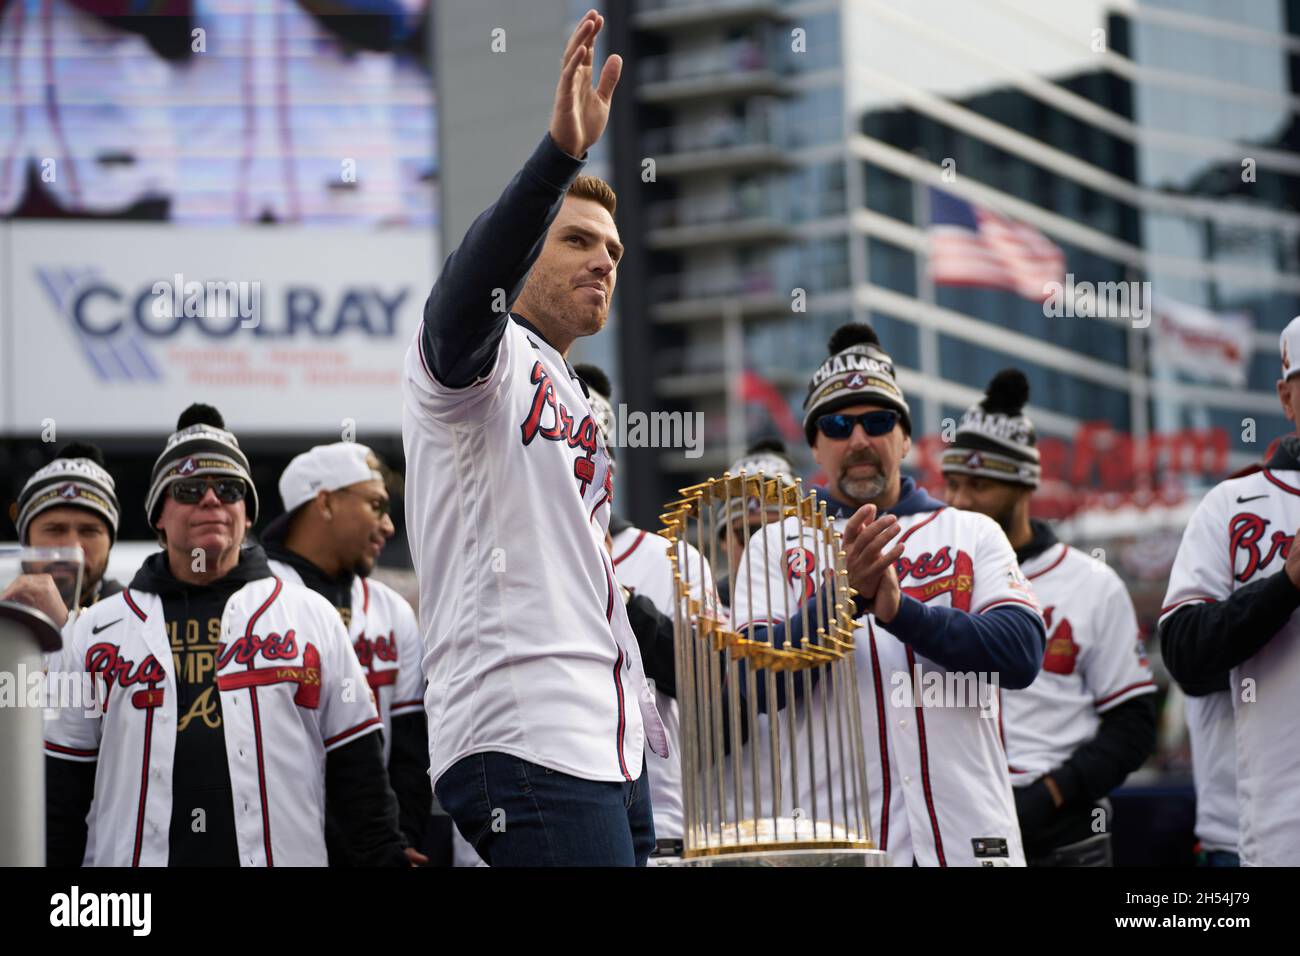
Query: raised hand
581	111
868	552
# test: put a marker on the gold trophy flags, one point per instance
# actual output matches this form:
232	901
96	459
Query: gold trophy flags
751	724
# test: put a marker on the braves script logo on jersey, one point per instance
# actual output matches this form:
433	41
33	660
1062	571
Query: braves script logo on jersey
382	648
1062	651
273	647
562	427
960	584
107	661
1245	532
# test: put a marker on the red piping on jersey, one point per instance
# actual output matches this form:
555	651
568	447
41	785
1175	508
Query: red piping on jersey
1120	693
257	728
1165	610
925	768
1065	549
21	120
1002	734
351	730
70	751
144	784
921	524
639	538
126	596
282	114
884	752
618	681
52	102
1280	483
622	719
604	496
382	678
1010	600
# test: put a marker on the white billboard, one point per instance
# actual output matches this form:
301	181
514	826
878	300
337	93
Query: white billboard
115	327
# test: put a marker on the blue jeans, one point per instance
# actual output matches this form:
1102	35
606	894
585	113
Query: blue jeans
517	813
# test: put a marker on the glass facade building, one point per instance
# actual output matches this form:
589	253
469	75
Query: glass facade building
791	145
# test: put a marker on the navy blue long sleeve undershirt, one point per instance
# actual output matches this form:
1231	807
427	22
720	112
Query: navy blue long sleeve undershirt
465	314
1008	640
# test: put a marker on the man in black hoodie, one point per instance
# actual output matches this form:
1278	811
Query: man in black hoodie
261	713
335	525
1089	719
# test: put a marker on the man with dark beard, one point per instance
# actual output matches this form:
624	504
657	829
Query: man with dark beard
940	606
73	501
1089	719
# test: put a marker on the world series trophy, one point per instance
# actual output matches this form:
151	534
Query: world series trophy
737	810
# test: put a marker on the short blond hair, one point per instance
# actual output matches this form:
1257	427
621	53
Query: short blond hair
589	187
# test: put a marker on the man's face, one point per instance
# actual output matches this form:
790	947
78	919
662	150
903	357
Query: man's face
997	499
63	527
210	525
360	525
862	467
568	291
1288	393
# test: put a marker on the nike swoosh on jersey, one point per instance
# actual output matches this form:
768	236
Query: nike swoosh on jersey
103	627
1242	501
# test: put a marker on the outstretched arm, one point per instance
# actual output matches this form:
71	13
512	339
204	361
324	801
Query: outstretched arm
466	313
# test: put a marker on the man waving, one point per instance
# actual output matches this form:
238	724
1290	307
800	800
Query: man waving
538	707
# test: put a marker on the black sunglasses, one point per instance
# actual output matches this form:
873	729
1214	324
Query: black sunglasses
190	491
839	425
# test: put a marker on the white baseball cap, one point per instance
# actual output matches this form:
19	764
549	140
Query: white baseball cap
325	468
1290	345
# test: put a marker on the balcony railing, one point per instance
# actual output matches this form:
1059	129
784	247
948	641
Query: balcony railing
737	56
760	129
699	284
759	280
717	6
714	210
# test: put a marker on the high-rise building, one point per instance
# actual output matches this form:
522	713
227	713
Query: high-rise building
780	160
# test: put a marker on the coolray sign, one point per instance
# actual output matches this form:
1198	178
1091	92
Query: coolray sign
117	327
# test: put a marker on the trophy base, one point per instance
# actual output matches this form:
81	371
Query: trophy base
801	857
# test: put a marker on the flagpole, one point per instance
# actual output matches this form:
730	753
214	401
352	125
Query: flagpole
733	351
927	337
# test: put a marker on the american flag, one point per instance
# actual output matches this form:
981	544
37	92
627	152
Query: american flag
975	247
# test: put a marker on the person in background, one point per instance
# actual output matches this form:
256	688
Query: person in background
334	527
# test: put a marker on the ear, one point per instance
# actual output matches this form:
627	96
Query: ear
1284	396
907	446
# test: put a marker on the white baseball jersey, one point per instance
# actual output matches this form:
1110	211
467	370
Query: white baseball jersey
81	100
386	638
528	647
278	116
1239	533
1211	729
937	775
291	691
1095	660
641	561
